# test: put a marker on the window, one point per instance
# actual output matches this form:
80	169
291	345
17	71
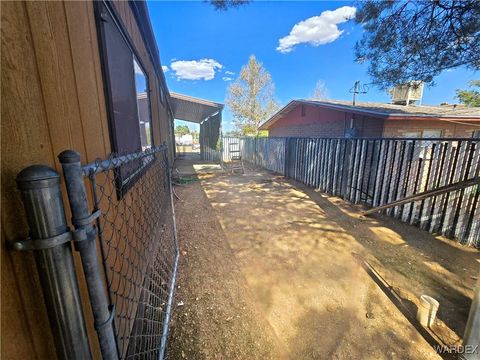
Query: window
432	133
143	106
411	134
126	91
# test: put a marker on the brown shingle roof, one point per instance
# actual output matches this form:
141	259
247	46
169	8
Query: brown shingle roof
417	110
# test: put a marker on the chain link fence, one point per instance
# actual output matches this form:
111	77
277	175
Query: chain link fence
138	247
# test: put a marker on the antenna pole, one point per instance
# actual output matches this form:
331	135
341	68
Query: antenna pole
355	90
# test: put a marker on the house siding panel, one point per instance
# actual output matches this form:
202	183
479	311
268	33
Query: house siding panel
52	99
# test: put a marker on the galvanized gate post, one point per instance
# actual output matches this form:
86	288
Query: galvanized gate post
471	338
82	219
50	238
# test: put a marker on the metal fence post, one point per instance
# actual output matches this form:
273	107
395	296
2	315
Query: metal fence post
471	338
50	238
254	150
171	291
82	220
287	158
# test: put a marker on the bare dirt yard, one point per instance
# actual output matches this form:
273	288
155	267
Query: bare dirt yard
273	270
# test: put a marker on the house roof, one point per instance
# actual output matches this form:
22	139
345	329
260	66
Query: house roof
193	109
384	111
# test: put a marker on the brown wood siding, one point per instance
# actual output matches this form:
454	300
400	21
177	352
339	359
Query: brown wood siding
52	100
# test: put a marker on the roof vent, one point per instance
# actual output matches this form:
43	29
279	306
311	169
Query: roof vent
407	94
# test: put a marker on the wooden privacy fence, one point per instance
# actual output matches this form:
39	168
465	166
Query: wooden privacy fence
378	171
268	153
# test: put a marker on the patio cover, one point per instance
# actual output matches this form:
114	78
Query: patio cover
193	109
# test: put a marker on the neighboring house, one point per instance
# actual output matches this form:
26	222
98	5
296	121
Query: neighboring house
85	76
310	118
186	139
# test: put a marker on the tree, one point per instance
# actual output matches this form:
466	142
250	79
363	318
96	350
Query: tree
250	97
417	40
226	4
195	136
233	133
470	97
181	130
320	92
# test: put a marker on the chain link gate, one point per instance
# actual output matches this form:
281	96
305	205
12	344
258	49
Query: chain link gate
128	206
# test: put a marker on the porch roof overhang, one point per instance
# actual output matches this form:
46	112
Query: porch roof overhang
193	109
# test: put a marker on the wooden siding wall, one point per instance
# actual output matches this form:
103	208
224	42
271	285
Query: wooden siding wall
52	100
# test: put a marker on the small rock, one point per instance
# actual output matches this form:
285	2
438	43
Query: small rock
331	308
181	303
369	315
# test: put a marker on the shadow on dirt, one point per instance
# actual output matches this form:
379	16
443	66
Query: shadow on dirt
296	253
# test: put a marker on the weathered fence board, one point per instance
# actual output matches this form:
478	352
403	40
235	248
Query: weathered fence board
378	171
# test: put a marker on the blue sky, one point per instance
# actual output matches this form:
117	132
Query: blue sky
188	32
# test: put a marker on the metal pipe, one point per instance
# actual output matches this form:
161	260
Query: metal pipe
115	162
50	238
82	219
471	338
171	291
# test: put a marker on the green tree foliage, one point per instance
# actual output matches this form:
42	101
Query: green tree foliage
233	133
195	136
251	97
181	130
470	97
226	4
417	40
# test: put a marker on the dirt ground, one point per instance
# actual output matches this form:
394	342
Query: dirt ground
273	270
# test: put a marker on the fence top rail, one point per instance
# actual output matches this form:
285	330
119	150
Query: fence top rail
359	138
115	161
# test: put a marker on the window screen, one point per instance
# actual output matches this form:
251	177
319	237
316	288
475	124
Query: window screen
127	93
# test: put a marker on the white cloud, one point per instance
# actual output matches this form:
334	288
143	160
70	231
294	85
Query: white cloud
203	69
317	30
226	78
137	68
229	72
165	68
